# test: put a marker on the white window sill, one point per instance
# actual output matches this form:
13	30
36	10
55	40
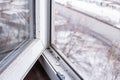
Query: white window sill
24	62
54	64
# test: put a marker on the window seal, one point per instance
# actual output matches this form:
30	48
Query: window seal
58	66
66	61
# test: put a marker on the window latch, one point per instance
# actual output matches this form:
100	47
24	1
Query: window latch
60	76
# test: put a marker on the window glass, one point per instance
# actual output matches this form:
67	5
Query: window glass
87	32
14	25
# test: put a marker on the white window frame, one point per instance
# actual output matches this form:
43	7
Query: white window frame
70	70
50	55
22	64
50	58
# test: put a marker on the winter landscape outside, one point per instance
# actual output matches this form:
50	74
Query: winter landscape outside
14	22
95	56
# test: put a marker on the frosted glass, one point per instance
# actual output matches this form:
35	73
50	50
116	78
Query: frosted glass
86	49
14	24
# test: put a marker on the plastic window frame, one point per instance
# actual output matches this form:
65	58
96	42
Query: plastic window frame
57	52
29	54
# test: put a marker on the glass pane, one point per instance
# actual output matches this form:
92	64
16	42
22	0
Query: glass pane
87	32
14	24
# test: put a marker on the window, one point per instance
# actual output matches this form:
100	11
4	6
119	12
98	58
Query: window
21	59
15	26
87	32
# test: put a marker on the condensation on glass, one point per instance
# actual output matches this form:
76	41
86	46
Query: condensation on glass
14	25
87	32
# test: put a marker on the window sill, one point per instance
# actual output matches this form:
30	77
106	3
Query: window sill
55	65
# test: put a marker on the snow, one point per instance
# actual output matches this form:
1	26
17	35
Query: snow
117	25
13	24
102	11
19	3
2	1
15	11
106	13
91	57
